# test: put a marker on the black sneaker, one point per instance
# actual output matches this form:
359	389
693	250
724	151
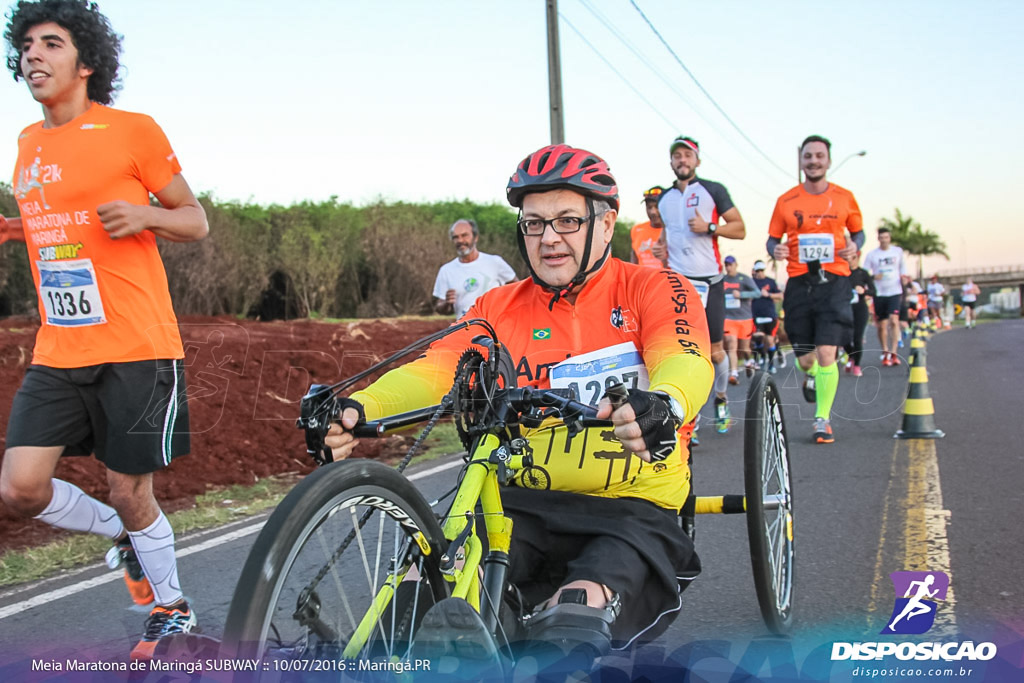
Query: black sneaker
453	629
163	622
810	395
123	555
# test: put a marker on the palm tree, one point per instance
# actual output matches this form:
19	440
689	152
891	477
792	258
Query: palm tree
908	233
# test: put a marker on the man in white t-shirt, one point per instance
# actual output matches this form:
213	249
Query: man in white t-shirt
969	297
936	293
889	268
470	273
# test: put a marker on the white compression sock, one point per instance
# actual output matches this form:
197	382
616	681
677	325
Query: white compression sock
721	375
71	509
154	546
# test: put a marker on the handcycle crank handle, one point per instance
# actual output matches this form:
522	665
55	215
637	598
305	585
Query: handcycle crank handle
377	428
617	395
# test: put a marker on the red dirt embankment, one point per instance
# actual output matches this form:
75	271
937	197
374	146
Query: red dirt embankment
245	379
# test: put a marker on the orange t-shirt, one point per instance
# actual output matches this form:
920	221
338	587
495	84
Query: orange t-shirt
100	300
637	325
644	236
824	218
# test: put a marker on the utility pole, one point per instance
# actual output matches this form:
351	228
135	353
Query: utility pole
555	75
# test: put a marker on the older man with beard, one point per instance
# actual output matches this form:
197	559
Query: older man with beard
471	273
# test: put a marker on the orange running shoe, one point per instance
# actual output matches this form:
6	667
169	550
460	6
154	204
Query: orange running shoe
123	555
823	431
163	622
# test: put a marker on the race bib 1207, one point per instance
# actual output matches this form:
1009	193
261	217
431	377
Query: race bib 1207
69	293
590	374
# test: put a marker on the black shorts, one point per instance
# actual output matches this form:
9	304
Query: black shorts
769	326
888	305
133	416
715	310
969	304
630	545
818	314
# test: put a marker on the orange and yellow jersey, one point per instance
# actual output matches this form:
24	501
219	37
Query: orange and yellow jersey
628	323
644	236
821	221
100	300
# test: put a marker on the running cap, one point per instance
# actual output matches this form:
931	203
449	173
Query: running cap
730	259
654	193
759	265
684	141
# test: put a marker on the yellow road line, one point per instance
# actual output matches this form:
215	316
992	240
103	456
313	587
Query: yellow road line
913	504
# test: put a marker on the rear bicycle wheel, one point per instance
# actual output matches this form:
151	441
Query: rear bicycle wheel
344	570
769	500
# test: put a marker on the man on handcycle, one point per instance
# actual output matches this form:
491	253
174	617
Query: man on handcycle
597	548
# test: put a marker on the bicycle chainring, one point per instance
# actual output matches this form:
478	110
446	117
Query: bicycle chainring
470	394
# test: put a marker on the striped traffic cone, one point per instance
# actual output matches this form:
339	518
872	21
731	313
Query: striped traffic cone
918	411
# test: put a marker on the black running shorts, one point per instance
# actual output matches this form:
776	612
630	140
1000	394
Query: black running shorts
133	416
767	326
887	305
818	314
715	309
630	545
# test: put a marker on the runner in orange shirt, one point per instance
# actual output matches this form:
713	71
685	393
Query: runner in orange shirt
813	218
648	249
106	375
604	530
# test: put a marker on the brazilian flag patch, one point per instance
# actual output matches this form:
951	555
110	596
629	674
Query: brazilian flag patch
543	333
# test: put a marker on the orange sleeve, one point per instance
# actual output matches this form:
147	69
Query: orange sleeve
676	344
155	162
777	227
854	219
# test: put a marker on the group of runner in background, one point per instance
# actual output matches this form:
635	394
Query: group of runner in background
831	291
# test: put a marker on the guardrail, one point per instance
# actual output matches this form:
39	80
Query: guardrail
989	270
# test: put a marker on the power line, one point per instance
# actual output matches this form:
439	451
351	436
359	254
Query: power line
671	85
641	96
706	93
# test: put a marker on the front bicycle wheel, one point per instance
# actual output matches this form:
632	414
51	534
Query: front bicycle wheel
343	571
769	498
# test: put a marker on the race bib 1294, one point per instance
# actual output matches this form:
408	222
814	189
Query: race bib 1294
816	247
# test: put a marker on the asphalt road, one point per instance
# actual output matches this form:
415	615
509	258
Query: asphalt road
865	506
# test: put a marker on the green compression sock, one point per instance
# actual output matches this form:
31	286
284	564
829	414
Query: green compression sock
826	383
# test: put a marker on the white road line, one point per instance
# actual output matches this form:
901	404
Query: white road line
80	586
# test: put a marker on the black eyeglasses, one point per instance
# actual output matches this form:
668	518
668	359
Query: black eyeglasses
563	225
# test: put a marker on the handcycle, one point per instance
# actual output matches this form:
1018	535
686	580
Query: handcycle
344	570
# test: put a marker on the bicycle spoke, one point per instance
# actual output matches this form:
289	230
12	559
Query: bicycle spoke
338	585
394	582
366	567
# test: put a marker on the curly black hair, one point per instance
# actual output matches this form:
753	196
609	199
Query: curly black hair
98	46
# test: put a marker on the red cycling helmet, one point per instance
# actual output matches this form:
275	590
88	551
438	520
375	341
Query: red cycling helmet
563	167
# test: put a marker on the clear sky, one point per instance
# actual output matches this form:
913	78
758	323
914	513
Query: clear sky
277	102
